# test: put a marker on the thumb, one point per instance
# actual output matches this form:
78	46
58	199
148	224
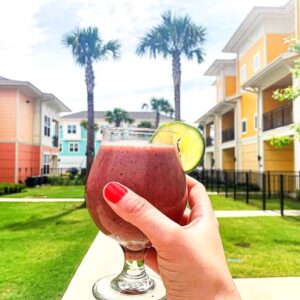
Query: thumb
139	212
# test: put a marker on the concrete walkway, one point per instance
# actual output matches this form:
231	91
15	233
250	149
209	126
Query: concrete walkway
105	257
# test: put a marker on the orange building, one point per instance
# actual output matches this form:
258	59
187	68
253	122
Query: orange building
238	128
28	130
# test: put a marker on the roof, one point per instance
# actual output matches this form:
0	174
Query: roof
136	115
218	65
255	16
221	108
273	72
35	92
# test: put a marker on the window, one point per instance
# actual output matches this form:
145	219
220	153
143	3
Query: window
60	127
243	73
72	129
256	61
46	164
47	126
73	147
60	147
255	121
244	126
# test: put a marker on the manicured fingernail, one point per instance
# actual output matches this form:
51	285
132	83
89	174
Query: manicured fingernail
114	192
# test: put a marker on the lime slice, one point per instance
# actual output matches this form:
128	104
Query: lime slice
188	139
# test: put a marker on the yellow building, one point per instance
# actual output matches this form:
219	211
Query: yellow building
237	129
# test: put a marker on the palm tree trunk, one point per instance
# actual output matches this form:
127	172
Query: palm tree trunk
157	119
90	147
177	82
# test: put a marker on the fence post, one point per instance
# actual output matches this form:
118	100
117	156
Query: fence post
281	195
226	183
269	185
211	179
234	185
247	187
218	181
264	190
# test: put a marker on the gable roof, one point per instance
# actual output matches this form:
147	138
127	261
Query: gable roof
26	85
254	17
136	115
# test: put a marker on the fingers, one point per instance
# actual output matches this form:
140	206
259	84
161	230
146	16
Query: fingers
198	200
139	212
151	259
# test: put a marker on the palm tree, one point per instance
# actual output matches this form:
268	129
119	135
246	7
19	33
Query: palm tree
158	106
84	124
88	47
117	116
173	37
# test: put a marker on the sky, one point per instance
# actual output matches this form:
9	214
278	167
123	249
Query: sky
31	49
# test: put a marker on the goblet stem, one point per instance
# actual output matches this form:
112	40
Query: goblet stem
133	279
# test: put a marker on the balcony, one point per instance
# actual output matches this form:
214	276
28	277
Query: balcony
209	141
281	116
227	135
55	141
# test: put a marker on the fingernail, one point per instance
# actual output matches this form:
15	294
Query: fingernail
114	192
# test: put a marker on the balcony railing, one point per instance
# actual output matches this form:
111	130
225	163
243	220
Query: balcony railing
227	135
55	141
278	117
209	141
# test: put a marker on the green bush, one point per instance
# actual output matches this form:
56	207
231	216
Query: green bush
9	188
69	179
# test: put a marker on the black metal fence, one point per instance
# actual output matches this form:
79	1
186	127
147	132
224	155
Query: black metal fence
281	116
268	190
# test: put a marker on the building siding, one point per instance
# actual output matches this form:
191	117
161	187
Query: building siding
7	162
26	113
276	45
8	114
249	157
279	159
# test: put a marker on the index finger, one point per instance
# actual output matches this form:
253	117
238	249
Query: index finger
198	199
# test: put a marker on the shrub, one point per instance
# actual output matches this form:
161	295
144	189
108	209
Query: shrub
9	188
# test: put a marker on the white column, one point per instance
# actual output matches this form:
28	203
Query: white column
260	142
237	131
217	144
204	136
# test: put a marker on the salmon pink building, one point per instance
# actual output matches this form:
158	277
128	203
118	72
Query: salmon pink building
29	127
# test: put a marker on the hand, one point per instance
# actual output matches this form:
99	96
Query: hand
190	256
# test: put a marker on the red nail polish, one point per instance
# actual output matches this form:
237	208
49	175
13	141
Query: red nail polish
114	192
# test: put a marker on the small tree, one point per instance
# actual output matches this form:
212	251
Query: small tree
117	116
158	106
84	124
145	124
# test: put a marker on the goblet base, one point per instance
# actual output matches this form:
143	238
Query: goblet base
102	290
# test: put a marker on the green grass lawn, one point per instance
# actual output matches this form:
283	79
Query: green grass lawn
49	191
41	246
222	203
265	246
43	243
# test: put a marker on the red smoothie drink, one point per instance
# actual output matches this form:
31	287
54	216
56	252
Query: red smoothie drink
152	171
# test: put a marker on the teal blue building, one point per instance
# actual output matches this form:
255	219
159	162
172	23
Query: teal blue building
73	137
